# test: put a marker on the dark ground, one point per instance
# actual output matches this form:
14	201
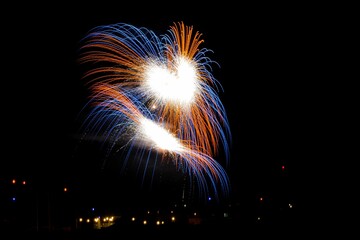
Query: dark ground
231	231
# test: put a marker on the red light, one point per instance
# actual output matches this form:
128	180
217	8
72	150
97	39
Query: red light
13	181
282	167
261	199
24	182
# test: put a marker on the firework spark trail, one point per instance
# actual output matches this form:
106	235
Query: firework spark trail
205	120
125	114
124	49
170	74
115	117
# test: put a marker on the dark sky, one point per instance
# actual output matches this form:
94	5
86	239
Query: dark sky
265	58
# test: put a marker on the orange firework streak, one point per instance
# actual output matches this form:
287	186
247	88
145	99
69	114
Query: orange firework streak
195	123
103	92
127	68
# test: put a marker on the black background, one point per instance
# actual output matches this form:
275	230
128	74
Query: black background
267	56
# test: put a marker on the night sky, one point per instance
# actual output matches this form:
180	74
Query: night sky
263	53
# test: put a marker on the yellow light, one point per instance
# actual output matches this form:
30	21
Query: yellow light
132	219
87	220
157	222
173	219
13	181
144	222
80	219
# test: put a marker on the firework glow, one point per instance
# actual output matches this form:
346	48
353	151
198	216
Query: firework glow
159	94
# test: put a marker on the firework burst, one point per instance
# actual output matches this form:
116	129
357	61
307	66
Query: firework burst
161	94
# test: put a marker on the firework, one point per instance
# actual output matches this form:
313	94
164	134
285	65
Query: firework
142	83
169	73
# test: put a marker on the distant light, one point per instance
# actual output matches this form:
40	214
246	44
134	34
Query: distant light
157	222
144	222
92	209
13	181
261	199
259	218
209	198
14	199
133	219
24	182
80	219
194	213
87	220
65	189
282	167
173	219
290	205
